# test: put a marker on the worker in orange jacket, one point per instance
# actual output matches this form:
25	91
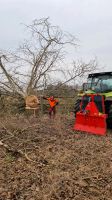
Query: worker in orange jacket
52	102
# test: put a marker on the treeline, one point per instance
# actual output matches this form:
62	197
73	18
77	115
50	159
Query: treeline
16	104
60	90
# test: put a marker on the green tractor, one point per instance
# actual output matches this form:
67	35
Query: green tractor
98	83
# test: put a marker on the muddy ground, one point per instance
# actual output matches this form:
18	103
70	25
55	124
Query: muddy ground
46	160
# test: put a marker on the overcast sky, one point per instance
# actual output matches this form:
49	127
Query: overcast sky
89	20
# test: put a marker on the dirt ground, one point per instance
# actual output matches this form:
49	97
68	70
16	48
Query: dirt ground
46	160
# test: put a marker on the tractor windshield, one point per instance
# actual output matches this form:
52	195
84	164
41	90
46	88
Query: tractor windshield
101	83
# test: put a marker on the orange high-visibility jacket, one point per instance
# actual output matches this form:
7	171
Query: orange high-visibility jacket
52	102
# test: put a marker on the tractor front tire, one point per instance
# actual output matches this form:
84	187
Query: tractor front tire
77	106
108	108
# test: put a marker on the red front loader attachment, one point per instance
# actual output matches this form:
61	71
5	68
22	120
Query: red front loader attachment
91	118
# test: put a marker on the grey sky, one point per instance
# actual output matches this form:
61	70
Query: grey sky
89	20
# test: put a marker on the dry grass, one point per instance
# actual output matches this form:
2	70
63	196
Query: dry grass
64	164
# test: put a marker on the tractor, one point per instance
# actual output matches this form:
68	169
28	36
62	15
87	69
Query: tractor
93	108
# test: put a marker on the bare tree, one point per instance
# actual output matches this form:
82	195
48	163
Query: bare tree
79	70
75	75
38	58
9	83
42	54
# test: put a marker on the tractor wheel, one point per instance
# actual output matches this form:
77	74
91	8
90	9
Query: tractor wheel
77	106
109	123
108	108
109	120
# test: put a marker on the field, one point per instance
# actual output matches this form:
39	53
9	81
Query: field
42	159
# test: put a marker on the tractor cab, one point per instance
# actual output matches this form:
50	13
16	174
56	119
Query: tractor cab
99	83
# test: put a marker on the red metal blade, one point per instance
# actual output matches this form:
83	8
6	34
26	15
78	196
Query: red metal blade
95	124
